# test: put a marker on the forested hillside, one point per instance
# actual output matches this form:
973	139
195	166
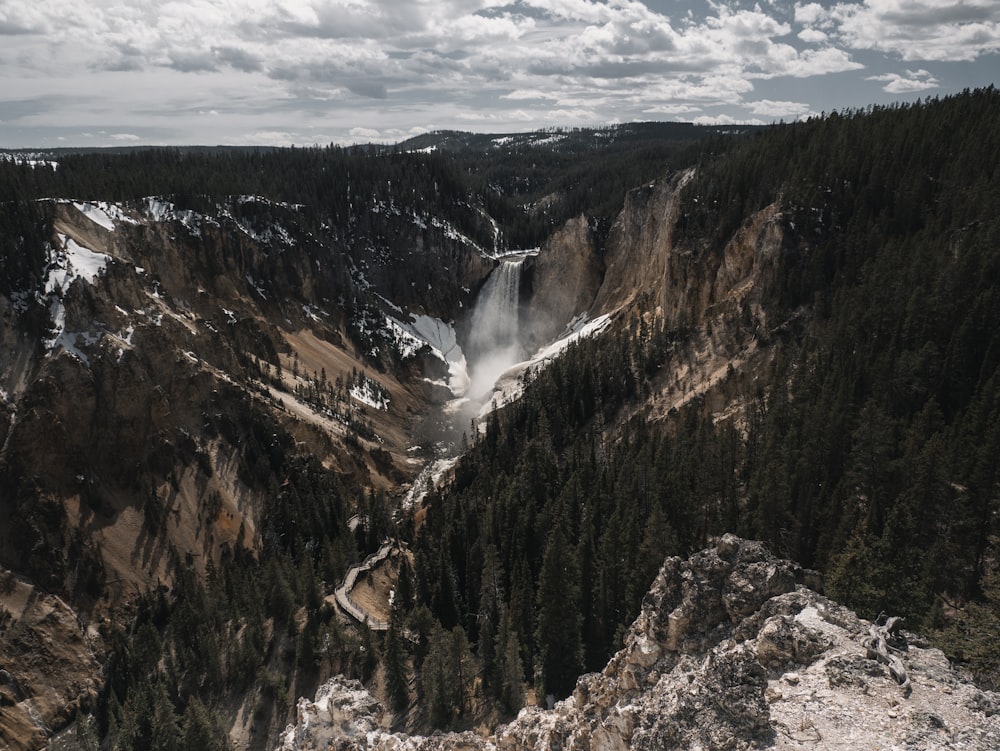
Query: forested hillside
871	455
532	183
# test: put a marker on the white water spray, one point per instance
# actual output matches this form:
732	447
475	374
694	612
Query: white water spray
494	344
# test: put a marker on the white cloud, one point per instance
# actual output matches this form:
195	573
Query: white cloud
578	116
369	134
725	120
955	30
521	116
674	110
911	82
812	36
809	13
456	33
819	62
584	11
268	138
21	18
529	94
771	108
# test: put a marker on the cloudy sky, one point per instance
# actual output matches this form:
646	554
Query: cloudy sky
112	72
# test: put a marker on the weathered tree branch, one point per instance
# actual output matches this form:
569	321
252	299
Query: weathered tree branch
879	642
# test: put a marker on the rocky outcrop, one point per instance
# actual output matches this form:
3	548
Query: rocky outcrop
688	284
49	664
563	279
730	651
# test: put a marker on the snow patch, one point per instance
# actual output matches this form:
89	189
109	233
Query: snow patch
31	159
452	233
103	214
70	262
553	139
438	336
428	479
125	341
307	311
160	210
95	214
256	286
407	344
273	232
368	392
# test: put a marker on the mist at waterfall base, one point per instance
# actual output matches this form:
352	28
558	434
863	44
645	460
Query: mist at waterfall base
489	345
494	344
490	354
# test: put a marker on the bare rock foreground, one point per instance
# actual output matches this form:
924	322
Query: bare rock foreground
731	651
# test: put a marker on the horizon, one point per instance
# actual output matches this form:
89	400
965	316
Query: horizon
553	129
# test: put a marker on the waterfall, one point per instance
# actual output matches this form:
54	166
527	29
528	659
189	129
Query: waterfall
494	319
494	335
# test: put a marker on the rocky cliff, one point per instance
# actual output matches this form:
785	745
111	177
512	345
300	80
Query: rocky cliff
562	279
649	269
648	260
732	650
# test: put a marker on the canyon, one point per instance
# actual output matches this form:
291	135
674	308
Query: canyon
194	332
351	447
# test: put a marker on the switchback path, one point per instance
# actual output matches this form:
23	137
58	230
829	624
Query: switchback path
343	593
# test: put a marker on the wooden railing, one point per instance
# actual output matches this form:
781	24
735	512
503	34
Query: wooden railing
343	593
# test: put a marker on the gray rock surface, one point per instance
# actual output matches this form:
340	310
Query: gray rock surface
729	652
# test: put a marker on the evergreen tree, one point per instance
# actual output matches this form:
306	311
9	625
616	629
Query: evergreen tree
200	731
971	636
445	676
395	662
510	679
559	655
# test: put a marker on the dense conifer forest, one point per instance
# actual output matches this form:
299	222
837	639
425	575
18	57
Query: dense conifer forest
872	455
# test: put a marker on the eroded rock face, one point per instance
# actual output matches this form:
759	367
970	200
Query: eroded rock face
564	276
48	664
729	652
639	251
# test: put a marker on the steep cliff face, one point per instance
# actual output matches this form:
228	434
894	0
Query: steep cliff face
650	271
639	258
647	262
51	665
562	281
730	651
722	300
425	266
